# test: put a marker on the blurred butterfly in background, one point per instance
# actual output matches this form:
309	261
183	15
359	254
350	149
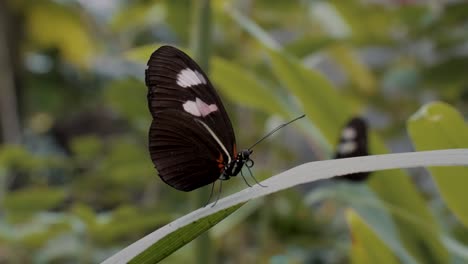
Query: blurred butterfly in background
353	143
191	139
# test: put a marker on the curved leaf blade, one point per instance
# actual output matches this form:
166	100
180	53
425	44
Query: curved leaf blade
312	171
320	100
175	240
243	88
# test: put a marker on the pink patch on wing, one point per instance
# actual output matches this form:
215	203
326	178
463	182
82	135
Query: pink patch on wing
199	108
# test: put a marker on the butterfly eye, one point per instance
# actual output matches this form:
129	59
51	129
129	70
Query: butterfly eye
245	154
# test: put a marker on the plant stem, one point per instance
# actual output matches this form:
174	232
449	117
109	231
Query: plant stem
201	48
9	119
201	33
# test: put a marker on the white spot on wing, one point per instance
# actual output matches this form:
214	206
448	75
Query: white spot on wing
349	133
188	77
347	147
191	108
199	108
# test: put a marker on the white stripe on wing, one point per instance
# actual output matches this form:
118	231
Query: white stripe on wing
217	139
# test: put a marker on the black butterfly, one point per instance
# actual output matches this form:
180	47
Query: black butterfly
353	143
191	140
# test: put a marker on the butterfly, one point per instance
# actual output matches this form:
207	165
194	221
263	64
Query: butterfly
191	139
353	143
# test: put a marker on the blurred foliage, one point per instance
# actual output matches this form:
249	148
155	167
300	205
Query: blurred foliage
366	246
65	32
82	186
437	126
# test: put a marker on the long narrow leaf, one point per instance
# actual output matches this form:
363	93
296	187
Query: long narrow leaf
156	242
320	99
243	88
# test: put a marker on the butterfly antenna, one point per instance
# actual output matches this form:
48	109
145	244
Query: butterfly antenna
274	130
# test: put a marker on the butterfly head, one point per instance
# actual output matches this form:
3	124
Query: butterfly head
233	168
244	154
243	157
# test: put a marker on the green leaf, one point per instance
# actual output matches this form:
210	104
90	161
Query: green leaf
447	72
86	214
125	96
69	34
243	88
307	45
367	247
138	15
39	238
180	237
356	70
87	148
16	156
236	218
28	201
126	224
179	18
141	54
255	30
169	238
435	126
317	95
369	23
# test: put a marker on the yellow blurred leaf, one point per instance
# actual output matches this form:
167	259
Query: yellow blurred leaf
54	26
437	126
149	13
366	246
356	70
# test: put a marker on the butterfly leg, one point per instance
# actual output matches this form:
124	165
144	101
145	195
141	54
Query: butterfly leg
251	175
219	193
211	193
245	180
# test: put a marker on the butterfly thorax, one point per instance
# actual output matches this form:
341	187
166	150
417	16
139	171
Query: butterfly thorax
233	168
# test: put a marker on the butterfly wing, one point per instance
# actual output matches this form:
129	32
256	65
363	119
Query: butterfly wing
191	134
185	156
353	143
